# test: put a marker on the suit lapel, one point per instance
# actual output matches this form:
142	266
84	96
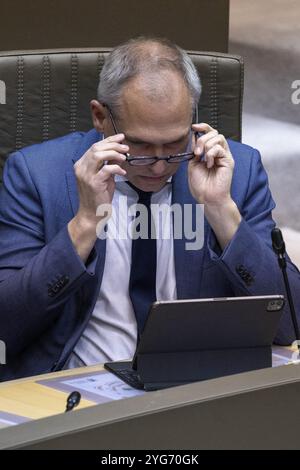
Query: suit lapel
188	263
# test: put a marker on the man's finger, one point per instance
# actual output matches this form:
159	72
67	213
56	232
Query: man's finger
201	141
108	155
202	127
113	138
215	140
109	170
215	155
104	145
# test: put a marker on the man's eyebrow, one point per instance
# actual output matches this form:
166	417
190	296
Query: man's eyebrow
136	140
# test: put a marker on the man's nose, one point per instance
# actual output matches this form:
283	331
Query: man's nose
159	167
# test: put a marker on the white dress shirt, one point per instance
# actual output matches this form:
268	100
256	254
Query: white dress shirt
111	333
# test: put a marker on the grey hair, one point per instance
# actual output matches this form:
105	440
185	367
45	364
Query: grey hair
134	58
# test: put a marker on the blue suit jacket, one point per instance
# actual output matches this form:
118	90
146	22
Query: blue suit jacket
47	294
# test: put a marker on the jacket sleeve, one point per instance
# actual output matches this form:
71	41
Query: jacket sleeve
36	278
248	261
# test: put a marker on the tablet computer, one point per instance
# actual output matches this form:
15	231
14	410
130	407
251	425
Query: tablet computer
190	340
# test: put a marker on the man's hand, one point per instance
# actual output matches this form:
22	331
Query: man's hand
210	177
95	172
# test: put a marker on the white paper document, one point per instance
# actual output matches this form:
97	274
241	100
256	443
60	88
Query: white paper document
104	384
99	387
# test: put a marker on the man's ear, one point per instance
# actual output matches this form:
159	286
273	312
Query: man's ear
99	116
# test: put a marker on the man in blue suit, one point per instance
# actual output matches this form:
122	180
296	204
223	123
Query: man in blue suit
70	296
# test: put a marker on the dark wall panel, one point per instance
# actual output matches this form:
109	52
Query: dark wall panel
32	24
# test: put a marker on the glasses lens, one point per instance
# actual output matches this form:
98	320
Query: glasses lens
139	161
181	157
143	160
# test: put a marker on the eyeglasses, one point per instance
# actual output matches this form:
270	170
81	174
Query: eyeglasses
141	160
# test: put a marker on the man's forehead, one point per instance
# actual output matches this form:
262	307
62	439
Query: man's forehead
158	126
139	110
162	87
158	137
155	117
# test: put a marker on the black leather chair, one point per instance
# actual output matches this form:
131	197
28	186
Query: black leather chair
48	93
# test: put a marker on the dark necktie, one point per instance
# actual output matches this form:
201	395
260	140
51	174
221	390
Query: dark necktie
142	282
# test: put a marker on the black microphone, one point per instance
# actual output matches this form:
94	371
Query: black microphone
279	248
278	245
73	400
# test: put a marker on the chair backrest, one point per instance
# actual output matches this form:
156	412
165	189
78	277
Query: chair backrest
47	93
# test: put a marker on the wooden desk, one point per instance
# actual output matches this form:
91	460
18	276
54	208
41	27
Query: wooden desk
242	411
28	398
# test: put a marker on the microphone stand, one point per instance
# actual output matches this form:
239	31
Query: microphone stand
279	248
